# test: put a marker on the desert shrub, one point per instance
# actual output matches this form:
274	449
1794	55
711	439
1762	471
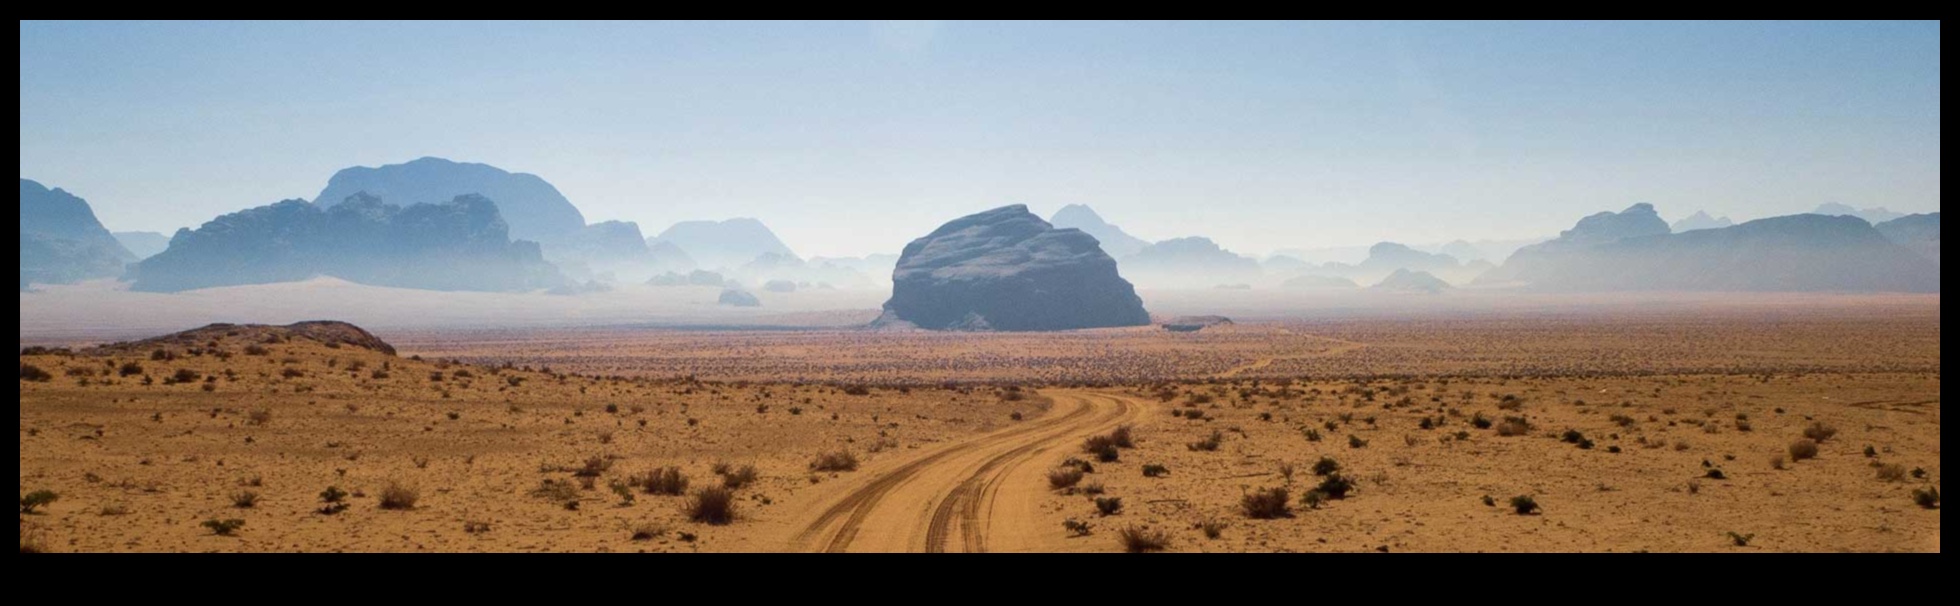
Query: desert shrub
1209	444
1481	422
1892	473
397	497
1155	471
557	491
184	375
737	478
841	460
223	528
259	417
292	373
1143	540
1928	498
1355	442
1335	486
335	501
1194	415
1513	427
1572	436
1078	528
1124	437
32	373
1109	506
1103	448
1803	450
593	467
647	531
1778	463
31	542
1820	432
1213	529
857	390
1741	540
1717	475
1063	479
36	500
714	506
1525	505
1268	504
257	350
245	499
130	369
1314	499
1079	465
1326	467
1312	435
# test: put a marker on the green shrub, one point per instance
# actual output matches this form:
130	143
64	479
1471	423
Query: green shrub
1336	487
1326	467
36	500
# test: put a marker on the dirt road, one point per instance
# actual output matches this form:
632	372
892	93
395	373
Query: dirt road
976	496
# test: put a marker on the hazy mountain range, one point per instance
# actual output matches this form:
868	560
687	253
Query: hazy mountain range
1113	239
534	208
61	241
461	245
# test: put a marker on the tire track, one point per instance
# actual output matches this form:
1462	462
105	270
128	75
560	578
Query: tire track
971	504
918	505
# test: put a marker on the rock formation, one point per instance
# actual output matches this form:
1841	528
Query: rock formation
1189	263
724	244
462	245
61	241
1006	269
1700	221
533	209
1417	282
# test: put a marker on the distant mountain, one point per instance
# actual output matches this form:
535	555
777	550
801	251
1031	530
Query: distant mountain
1700	221
1006	269
724	244
1113	239
1918	233
666	257
1389	256
601	248
462	245
532	208
1188	263
61	241
1637	221
1804	253
1463	251
1873	216
1405	281
143	244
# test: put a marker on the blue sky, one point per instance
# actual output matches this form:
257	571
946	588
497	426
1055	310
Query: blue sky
855	137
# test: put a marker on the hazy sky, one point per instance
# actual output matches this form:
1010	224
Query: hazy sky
855	137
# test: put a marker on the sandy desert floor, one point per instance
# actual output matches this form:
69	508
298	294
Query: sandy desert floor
1652	433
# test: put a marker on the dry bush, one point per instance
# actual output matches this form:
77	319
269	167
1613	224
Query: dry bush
1103	448
260	417
1268	504
1928	498
1803	450
1335	487
1213	528
1513	427
223	528
1209	444
739	477
31	541
1525	505
399	497
1065	478
1143	540
32	373
714	506
36	500
245	499
1892	473
1820	432
1155	471
1124	437
841	460
666	481
1109	506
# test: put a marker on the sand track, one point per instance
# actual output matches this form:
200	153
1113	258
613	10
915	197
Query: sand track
973	496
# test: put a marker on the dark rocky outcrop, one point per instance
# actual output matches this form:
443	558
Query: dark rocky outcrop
724	244
1196	323
1006	269
533	209
235	338
143	244
61	241
1114	240
462	245
1416	282
1389	256
1803	253
738	298
1918	233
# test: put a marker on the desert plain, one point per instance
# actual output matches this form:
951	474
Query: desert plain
1783	424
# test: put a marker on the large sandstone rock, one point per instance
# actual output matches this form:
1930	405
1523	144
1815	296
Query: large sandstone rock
1006	269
